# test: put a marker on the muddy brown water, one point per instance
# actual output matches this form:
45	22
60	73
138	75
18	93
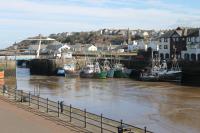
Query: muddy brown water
162	107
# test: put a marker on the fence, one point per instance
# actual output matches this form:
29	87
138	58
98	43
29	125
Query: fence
89	121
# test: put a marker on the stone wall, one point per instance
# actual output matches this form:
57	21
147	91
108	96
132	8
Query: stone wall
9	67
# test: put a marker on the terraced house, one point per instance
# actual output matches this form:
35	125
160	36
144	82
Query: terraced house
184	42
192	52
172	42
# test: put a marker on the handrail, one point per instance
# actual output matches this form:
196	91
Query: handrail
98	121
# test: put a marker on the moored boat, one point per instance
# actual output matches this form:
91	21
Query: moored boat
100	72
110	73
87	71
70	70
120	71
161	73
101	75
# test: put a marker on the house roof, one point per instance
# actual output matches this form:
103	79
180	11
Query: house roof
182	32
89	45
35	47
167	34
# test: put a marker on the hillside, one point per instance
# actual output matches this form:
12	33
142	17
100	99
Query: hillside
78	37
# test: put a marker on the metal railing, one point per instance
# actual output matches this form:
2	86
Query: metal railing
89	121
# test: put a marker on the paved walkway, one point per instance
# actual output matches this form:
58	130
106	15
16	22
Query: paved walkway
16	119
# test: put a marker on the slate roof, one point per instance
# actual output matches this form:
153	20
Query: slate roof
35	47
182	32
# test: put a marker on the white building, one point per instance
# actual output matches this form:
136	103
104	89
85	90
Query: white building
90	48
133	46
56	49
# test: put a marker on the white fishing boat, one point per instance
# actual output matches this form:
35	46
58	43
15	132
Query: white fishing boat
88	70
160	72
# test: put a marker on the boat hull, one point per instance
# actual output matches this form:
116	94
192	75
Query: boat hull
110	73
171	76
120	74
101	75
86	75
71	74
168	77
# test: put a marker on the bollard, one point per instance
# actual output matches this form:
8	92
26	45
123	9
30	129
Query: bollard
85	120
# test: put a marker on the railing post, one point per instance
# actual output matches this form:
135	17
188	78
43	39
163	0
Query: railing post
101	123
47	105
58	109
15	94
21	95
38	100
29	98
85	113
70	113
145	129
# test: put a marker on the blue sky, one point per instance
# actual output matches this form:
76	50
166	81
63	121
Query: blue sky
20	19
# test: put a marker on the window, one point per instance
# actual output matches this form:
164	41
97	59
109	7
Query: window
198	57
186	56
193	57
174	39
195	39
166	56
165	39
160	46
161	56
177	39
165	47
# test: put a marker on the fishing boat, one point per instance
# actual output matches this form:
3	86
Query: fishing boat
101	75
1	72
100	72
87	71
119	71
173	74
160	72
110	73
108	69
70	70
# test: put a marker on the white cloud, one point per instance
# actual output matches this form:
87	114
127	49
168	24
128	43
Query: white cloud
44	17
